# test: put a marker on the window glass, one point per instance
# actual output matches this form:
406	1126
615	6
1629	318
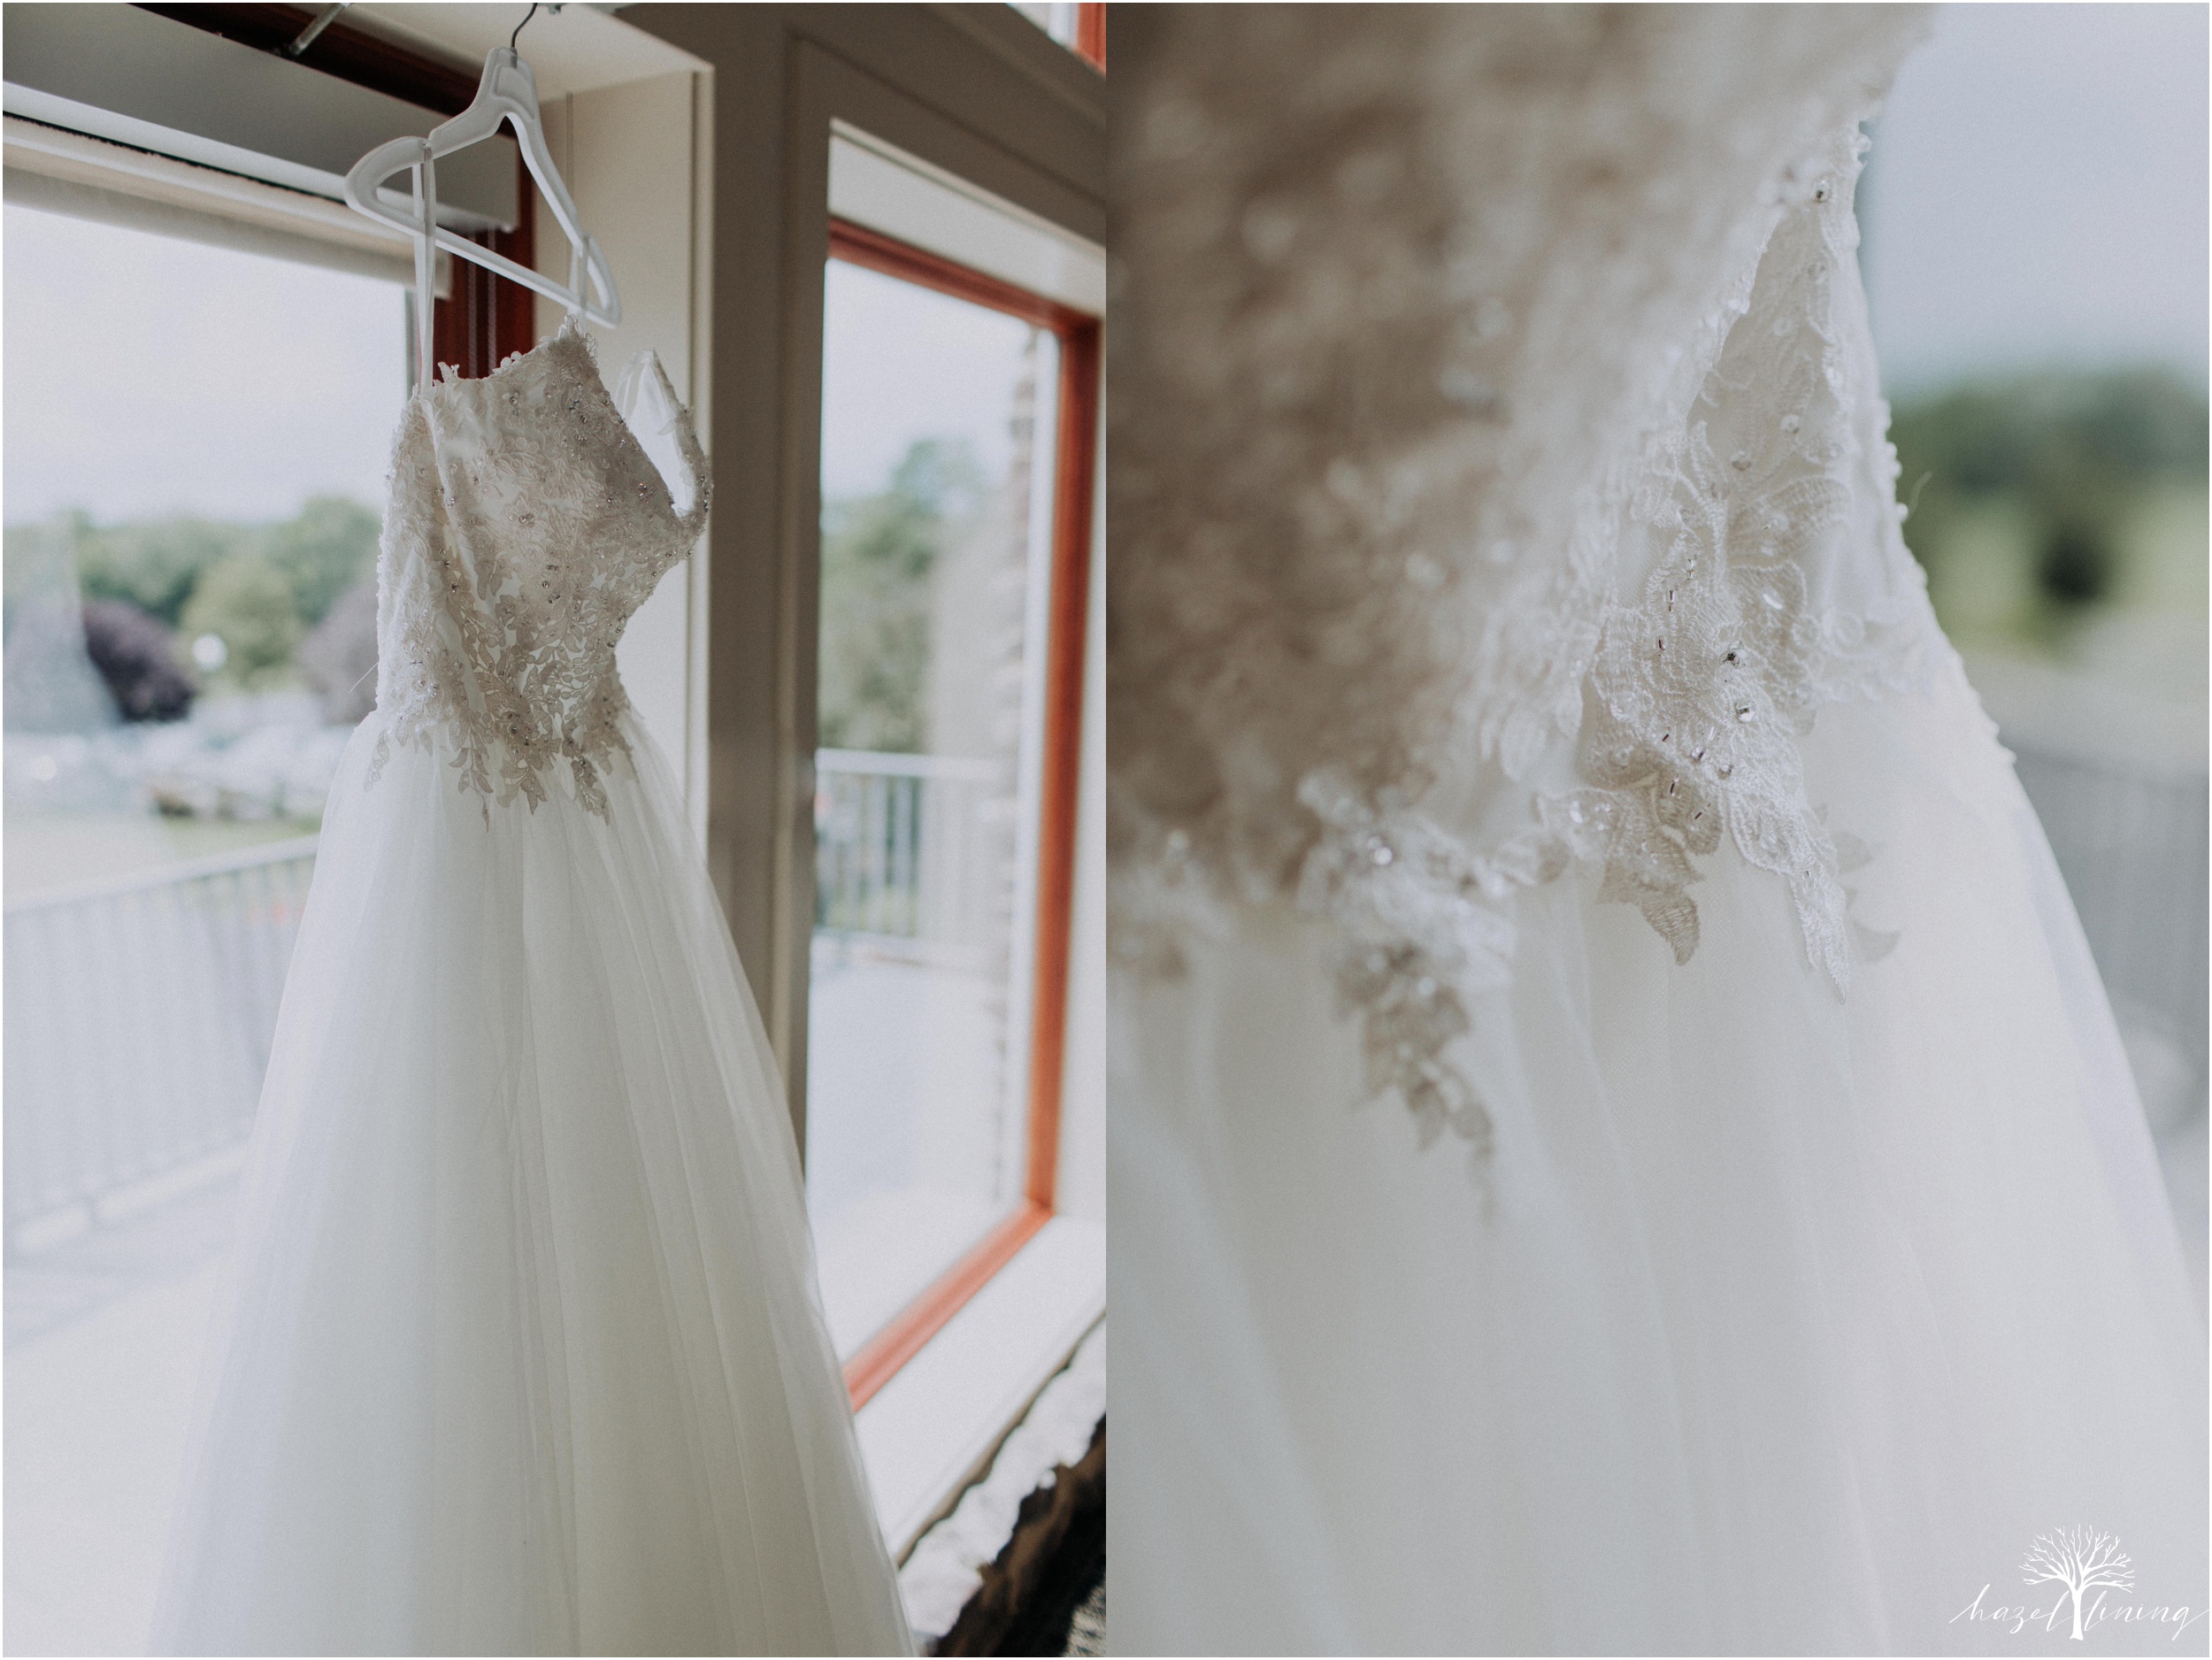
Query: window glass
936	490
1057	17
195	444
1081	28
2033	235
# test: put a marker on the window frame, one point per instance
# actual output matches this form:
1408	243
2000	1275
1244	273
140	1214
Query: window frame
1073	488
981	95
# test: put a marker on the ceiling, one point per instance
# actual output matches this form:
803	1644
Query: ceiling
575	50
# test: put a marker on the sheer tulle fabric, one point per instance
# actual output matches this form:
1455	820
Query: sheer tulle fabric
1775	1322
525	1354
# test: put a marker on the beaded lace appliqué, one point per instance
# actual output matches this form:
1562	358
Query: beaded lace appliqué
1701	692
526	525
1424	923
1694	704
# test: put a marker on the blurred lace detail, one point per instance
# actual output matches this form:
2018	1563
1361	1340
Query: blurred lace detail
1443	405
1424	922
527	524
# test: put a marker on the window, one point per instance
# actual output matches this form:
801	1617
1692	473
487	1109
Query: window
958	420
1081	28
712	665
196	445
196	440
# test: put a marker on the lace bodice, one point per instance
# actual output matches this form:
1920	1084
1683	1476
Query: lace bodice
1500	487
527	523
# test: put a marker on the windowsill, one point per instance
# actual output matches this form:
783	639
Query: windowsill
876	1256
926	1433
90	1506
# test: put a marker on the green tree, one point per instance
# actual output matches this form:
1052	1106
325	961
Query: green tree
877	555
2063	457
246	602
154	564
326	549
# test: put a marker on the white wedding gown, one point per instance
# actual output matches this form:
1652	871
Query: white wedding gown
526	1354
1528	722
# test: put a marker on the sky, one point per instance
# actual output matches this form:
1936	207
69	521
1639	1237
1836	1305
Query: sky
900	363
2037	194
146	376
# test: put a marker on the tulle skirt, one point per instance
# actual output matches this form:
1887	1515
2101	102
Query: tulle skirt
1775	1323
526	1355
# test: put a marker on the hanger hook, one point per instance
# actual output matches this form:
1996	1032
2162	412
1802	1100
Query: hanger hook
525	24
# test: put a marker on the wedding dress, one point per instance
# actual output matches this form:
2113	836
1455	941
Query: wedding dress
526	1354
1527	721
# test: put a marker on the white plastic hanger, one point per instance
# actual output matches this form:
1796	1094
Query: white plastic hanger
508	92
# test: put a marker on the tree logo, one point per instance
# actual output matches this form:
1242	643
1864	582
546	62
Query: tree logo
2080	1559
2084	1563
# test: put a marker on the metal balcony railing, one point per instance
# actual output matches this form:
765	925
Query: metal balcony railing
139	1016
140	1011
902	848
2131	842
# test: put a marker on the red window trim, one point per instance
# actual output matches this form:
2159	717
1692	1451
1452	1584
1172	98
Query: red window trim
858	245
1090	32
1074	483
486	317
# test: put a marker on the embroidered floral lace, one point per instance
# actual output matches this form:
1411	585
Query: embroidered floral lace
527	523
1500	488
